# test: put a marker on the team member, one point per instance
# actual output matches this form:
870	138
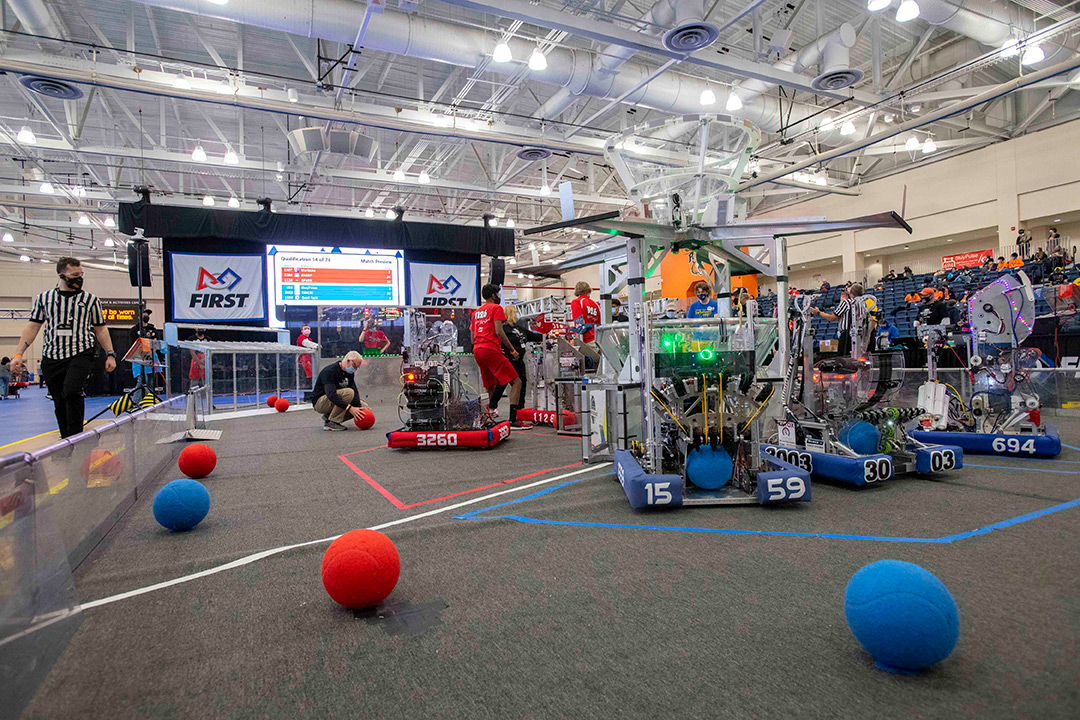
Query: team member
372	337
618	312
335	396
145	330
586	314
704	307
518	335
71	318
196	372
489	338
305	341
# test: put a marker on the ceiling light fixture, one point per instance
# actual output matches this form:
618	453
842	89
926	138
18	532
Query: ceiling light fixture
292	95
83	220
510	224
493	222
708	97
929	146
231	158
545	190
279	177
208	201
1032	54
908	10
399	175
501	53
734	103
198	154
369	213
875	5
234	202
8	238
224	88
24	258
390	214
46	187
1010	48
889	117
848	128
912	144
424	178
109	242
537	61
26	136
916	107
181	83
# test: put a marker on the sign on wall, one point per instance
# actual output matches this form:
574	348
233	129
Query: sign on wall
968	259
120	312
443	284
217	288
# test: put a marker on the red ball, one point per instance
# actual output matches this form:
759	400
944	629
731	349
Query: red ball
197	460
281	405
360	569
270	401
365	419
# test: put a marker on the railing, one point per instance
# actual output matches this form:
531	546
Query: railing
56	505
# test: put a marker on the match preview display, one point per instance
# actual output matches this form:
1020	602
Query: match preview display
336	276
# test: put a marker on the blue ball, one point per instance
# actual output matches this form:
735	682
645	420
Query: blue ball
861	436
707	468
182	504
902	614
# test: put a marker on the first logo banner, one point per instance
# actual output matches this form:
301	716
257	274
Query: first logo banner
217	288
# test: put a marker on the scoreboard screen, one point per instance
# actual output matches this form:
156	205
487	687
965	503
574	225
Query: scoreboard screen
304	275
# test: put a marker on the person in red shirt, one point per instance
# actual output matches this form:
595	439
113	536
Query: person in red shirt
305	341
373	337
489	339
586	314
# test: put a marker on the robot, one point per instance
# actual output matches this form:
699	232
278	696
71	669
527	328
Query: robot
1004	417
437	406
841	422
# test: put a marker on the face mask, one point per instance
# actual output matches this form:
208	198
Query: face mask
74	283
146	319
350	370
670	313
306	331
703	297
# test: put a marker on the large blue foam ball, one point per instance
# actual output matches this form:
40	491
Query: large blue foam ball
182	504
707	468
902	614
861	436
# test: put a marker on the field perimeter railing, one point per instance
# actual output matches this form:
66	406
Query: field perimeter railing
56	505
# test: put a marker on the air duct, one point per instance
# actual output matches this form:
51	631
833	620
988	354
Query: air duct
341	142
831	50
35	19
989	23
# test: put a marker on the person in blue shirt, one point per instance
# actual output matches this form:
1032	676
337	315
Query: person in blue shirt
705	306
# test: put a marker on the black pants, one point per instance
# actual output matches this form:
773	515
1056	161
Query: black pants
67	380
519	366
844	344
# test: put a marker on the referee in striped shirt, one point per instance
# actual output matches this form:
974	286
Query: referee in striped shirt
71	319
844	316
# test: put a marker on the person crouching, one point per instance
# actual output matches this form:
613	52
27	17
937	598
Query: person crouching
335	396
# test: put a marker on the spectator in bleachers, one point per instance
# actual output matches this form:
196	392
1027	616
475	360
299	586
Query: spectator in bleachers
1053	238
933	309
825	286
1015	263
887	333
1057	276
1039	256
1023	243
1001	264
988	263
891	275
907	272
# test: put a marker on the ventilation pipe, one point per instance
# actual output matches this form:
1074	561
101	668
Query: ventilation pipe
35	19
688	30
831	50
989	23
456	44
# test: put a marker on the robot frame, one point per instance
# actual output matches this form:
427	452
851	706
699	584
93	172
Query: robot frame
694	400
866	442
1001	318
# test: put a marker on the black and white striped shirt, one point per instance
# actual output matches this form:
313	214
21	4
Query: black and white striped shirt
844	312
69	318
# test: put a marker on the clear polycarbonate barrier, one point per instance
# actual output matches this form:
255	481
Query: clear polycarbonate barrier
243	380
55	506
704	343
1057	388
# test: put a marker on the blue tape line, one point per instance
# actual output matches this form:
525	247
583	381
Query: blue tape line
946	540
1071	447
1025	469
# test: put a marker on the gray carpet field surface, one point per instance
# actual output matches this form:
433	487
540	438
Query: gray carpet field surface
564	603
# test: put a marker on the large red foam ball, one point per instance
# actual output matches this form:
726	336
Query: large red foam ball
281	405
365	419
360	569
197	460
271	401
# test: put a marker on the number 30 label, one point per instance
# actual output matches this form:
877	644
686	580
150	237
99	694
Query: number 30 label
876	469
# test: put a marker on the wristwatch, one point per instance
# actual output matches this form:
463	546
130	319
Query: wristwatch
110	354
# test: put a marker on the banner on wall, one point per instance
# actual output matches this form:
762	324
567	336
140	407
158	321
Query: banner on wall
968	259
217	288
438	285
